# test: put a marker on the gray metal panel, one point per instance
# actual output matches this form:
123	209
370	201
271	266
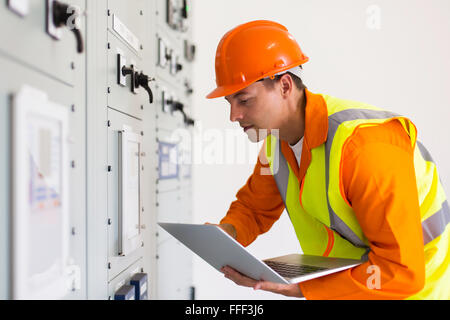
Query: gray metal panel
187	158
186	205
174	206
102	73
27	42
61	72
118	263
96	83
4	193
66	96
174	195
174	270
149	190
169	210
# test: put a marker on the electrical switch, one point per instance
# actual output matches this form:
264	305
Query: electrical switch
59	15
138	79
178	106
142	80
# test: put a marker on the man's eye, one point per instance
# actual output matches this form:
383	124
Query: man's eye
243	101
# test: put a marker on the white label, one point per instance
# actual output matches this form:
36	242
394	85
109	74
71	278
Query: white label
20	7
41	197
125	33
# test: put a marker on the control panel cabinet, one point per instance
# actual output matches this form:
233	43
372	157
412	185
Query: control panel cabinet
43	112
96	134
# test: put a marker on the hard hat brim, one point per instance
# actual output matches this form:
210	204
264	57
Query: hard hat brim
231	89
228	90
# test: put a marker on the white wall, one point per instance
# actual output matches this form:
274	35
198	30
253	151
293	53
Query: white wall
392	54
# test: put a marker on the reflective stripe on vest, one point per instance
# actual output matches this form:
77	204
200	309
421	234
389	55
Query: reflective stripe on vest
435	225
334	121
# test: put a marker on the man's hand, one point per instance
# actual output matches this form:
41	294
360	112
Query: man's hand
228	228
290	290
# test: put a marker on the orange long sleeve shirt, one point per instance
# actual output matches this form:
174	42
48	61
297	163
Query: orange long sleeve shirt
379	183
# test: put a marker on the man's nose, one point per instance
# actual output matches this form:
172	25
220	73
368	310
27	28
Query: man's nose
235	113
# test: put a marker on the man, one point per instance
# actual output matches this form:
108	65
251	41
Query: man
353	178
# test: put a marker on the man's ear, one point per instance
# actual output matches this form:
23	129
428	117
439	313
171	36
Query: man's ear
286	85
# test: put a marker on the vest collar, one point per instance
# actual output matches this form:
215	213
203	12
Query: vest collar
316	130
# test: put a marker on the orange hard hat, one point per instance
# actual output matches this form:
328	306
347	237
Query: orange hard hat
253	51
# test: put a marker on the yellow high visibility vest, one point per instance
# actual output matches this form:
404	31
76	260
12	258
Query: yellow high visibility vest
325	213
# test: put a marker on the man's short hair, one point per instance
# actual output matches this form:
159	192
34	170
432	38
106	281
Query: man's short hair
270	83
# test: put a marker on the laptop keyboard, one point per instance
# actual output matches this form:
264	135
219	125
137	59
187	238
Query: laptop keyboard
291	270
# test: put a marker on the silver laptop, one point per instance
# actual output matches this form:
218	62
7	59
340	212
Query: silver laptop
219	249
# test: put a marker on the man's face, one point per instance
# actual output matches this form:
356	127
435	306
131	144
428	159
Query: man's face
257	109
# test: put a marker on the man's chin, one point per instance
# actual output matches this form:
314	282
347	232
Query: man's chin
256	135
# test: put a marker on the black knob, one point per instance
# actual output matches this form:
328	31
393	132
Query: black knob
62	13
168	54
127	70
189	89
178	106
189	121
142	80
